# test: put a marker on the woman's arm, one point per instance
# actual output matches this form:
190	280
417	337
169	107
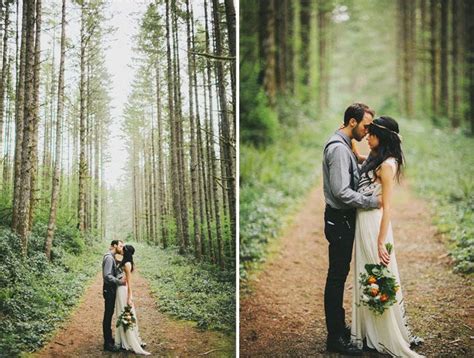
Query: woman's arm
360	158
387	178
128	276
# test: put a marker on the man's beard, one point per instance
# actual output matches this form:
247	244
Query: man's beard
355	133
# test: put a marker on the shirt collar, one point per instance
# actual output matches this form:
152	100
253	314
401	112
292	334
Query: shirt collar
345	137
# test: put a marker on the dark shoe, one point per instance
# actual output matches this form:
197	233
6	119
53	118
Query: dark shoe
343	346
143	345
111	348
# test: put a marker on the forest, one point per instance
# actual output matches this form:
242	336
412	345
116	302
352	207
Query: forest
59	207
303	62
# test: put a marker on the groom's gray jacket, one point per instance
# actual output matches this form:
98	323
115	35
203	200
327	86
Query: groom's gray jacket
341	175
109	270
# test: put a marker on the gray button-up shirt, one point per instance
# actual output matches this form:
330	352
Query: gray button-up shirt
337	174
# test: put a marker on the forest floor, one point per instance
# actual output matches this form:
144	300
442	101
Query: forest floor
282	310
81	335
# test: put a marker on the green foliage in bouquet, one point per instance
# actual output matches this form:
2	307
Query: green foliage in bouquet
126	319
379	286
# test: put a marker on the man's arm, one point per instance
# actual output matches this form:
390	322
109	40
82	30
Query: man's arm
108	275
339	162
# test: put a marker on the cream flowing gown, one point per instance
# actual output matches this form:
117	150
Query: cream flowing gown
129	339
388	333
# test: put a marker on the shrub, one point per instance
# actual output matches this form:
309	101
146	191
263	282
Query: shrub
36	295
258	123
189	290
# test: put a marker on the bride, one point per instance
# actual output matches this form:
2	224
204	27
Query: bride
128	339
388	333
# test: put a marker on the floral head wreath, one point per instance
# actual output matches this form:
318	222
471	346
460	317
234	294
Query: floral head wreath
383	127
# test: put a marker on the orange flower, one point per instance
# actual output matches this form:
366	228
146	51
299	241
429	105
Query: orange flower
374	292
384	297
372	279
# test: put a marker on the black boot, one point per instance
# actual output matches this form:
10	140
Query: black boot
343	346
109	347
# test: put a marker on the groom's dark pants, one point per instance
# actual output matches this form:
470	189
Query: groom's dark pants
109	297
339	228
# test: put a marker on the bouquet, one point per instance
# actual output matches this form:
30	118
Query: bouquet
126	319
379	286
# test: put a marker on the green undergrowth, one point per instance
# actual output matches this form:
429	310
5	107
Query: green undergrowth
35	295
187	289
273	180
440	167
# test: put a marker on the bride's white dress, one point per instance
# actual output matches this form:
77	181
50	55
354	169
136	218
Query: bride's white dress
129	339
388	333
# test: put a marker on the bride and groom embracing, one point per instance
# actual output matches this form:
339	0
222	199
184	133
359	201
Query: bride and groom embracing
357	214
117	269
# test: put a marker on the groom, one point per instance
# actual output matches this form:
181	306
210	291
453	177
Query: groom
341	178
109	274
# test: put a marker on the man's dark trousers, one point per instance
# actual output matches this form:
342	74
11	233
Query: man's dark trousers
109	297
339	228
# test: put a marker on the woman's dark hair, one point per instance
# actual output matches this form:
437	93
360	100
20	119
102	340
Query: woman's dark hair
386	130
128	251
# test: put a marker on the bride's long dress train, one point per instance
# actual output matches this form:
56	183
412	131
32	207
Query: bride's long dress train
387	333
129	339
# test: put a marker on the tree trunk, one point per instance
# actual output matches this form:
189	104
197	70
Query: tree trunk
434	59
305	31
82	127
7	180
269	51
4	74
203	204
34	139
456	98
161	162
230	19
28	129
194	169
290	63
173	144
444	99
281	40
423	55
214	194
469	13
136	231
49	122
144	186
19	115
225	128
323	27
57	159
207	162
182	178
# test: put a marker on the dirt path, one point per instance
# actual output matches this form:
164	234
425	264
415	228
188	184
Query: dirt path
81	335
283	315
